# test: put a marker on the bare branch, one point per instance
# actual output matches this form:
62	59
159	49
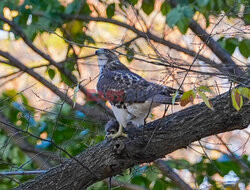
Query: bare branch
216	48
92	112
225	58
168	171
232	155
20	141
35	172
150	36
60	67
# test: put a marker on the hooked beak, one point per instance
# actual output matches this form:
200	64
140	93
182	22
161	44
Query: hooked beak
96	52
99	51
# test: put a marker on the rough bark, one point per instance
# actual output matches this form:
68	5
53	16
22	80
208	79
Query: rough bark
147	144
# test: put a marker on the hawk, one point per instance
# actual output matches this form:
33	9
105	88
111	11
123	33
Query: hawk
131	96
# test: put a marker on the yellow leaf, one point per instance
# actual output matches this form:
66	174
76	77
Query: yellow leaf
237	99
6	27
205	99
187	97
244	91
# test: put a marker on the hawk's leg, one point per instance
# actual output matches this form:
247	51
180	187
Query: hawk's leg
119	133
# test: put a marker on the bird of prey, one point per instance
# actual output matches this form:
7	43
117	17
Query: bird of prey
131	96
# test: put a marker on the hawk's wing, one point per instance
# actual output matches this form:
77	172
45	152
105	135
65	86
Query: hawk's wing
128	87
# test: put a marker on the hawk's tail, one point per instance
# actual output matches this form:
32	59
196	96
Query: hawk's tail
168	91
164	99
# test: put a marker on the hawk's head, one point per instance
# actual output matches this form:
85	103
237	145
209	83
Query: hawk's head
106	54
108	59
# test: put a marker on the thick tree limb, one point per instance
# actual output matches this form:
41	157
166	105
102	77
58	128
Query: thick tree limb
160	137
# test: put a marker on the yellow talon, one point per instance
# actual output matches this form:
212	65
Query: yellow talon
118	134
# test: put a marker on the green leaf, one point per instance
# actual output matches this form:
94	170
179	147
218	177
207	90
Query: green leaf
237	99
222	42
31	32
188	11
204	89
140	180
148	6
165	8
207	19
24	99
76	90
174	97
85	9
69	65
130	54
244	91
205	99
133	2
230	2
110	10
202	3
180	16
66	79
51	73
245	47
159	184
173	17
72	7
231	44
74	27
246	15
187	97
183	25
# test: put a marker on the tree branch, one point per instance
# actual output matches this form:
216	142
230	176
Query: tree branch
91	112
168	171
216	49
35	172
225	58
114	183
242	164
20	141
148	35
59	66
161	137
